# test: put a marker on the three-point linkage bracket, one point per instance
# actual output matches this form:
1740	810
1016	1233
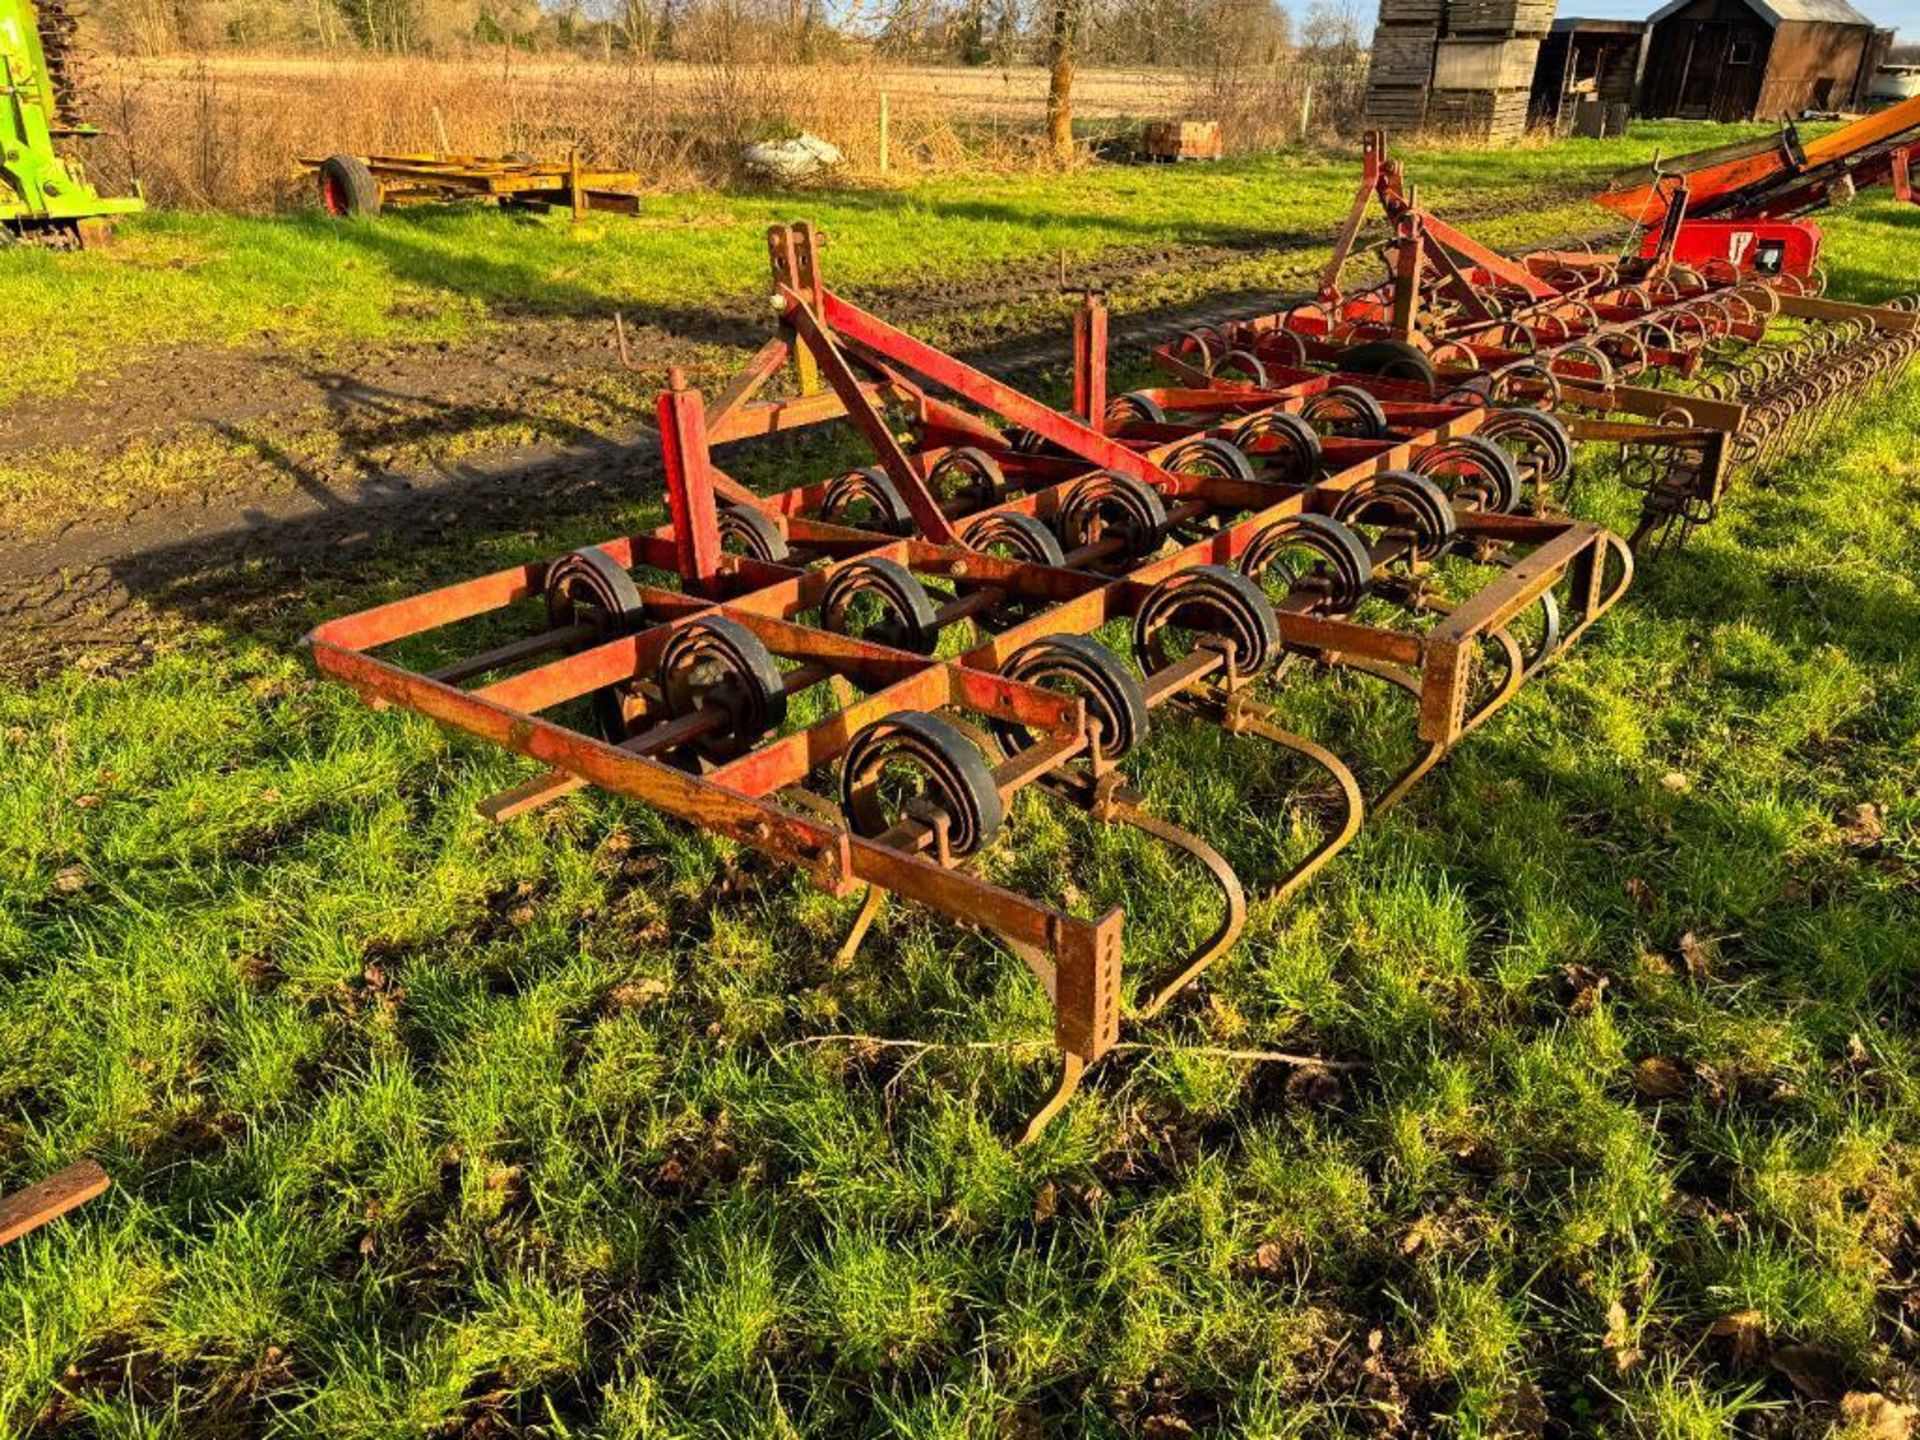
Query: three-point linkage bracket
1425	248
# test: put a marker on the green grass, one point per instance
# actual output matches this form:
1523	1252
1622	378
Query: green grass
304	284
424	1127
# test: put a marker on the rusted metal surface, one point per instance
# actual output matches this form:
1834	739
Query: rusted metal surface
1249	537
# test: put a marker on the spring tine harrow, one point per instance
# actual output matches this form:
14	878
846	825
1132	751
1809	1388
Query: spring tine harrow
940	617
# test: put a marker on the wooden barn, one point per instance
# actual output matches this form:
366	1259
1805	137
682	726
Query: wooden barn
1757	59
1582	61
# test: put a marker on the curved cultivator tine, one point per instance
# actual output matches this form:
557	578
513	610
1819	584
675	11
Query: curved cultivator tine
1126	811
870	908
1250	717
1072	1067
1547	648
1516	675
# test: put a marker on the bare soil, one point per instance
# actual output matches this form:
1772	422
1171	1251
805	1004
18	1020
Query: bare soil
327	468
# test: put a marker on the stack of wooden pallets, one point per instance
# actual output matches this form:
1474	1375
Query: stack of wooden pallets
1181	140
1462	66
1402	68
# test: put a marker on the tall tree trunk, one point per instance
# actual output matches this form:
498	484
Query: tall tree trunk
1060	51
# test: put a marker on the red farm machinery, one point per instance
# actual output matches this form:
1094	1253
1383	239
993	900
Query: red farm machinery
1009	600
1696	372
869	674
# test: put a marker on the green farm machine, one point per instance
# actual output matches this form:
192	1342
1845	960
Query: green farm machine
44	194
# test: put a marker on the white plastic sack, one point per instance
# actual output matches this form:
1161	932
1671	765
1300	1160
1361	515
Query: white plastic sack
792	159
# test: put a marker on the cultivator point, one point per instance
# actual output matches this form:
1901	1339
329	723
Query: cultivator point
1696	373
863	673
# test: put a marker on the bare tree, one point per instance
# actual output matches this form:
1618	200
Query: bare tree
1061	45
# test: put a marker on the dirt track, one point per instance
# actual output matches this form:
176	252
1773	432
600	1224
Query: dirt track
246	547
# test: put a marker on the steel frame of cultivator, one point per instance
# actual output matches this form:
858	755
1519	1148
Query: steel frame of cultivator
1234	535
1686	369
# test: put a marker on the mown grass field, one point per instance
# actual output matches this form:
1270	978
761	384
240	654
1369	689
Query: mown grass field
420	1126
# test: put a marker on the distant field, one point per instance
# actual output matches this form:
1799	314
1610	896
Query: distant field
1016	92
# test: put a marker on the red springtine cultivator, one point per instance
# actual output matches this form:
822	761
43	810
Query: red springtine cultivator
1005	602
1695	372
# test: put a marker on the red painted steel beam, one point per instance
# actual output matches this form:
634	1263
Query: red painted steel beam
970	384
683	451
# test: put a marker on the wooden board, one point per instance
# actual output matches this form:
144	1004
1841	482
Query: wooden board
27	1210
1412	12
1479	114
1400	111
1402	56
1484	64
1499	17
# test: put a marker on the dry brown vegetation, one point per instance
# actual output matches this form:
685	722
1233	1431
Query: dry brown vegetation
227	131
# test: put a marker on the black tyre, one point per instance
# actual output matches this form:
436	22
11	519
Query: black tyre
746	531
1314	555
1390	360
1211	456
1107	505
1281	443
1135	405
1403	501
967	477
1538	441
1014	536
879	600
588	587
1079	666
717	663
348	190
1473	472
1206	604
912	766
866	500
1346	410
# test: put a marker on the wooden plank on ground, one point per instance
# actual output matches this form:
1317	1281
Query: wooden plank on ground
27	1210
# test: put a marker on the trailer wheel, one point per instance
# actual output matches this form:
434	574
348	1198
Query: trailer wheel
747	531
1208	604
348	190
1107	505
589	587
1282	442
866	499
1014	536
717	662
878	599
967	476
1402	500
1311	555
1346	410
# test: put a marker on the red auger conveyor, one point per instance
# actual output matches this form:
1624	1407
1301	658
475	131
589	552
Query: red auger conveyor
1742	203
